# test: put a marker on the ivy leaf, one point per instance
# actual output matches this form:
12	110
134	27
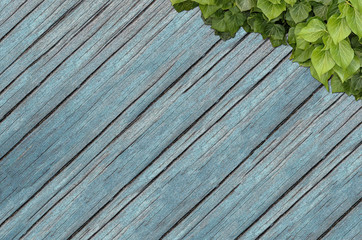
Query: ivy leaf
321	78
336	85
357	4
354	21
208	10
257	23
338	28
276	31
271	10
291	2
205	2
178	1
326	35
300	11
314	30
342	53
234	21
322	60
184	5
345	74
245	5
321	11
352	86
302	55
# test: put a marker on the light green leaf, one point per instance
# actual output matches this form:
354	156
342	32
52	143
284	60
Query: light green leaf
357	4
291	2
354	21
342	53
314	30
338	28
245	5
345	74
322	60
271	10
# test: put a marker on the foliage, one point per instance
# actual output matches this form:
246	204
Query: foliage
326	35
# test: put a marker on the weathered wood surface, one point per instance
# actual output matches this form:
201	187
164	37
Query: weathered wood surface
126	120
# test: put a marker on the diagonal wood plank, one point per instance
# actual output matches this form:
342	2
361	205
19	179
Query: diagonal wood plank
248	193
179	189
64	60
40	143
348	226
323	205
20	39
47	55
116	128
215	60
107	174
13	13
303	186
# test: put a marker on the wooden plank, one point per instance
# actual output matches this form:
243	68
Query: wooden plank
348	227
12	12
189	180
250	200
27	32
94	146
306	184
324	204
57	45
90	64
210	60
115	181
168	73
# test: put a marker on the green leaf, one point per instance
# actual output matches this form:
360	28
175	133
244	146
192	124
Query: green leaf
354	21
321	11
291	2
208	10
271	10
322	60
184	6
302	55
336	84
205	2
300	11
357	4
245	5
326	35
338	28
352	87
257	23
301	43
234	21
342	53
314	30
178	1
345	74
321	78
275	31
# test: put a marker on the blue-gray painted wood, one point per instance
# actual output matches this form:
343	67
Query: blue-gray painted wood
128	120
349	227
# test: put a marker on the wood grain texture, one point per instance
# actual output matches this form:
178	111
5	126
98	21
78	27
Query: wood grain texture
126	120
348	225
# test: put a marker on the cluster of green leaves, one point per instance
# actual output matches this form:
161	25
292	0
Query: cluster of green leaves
326	35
